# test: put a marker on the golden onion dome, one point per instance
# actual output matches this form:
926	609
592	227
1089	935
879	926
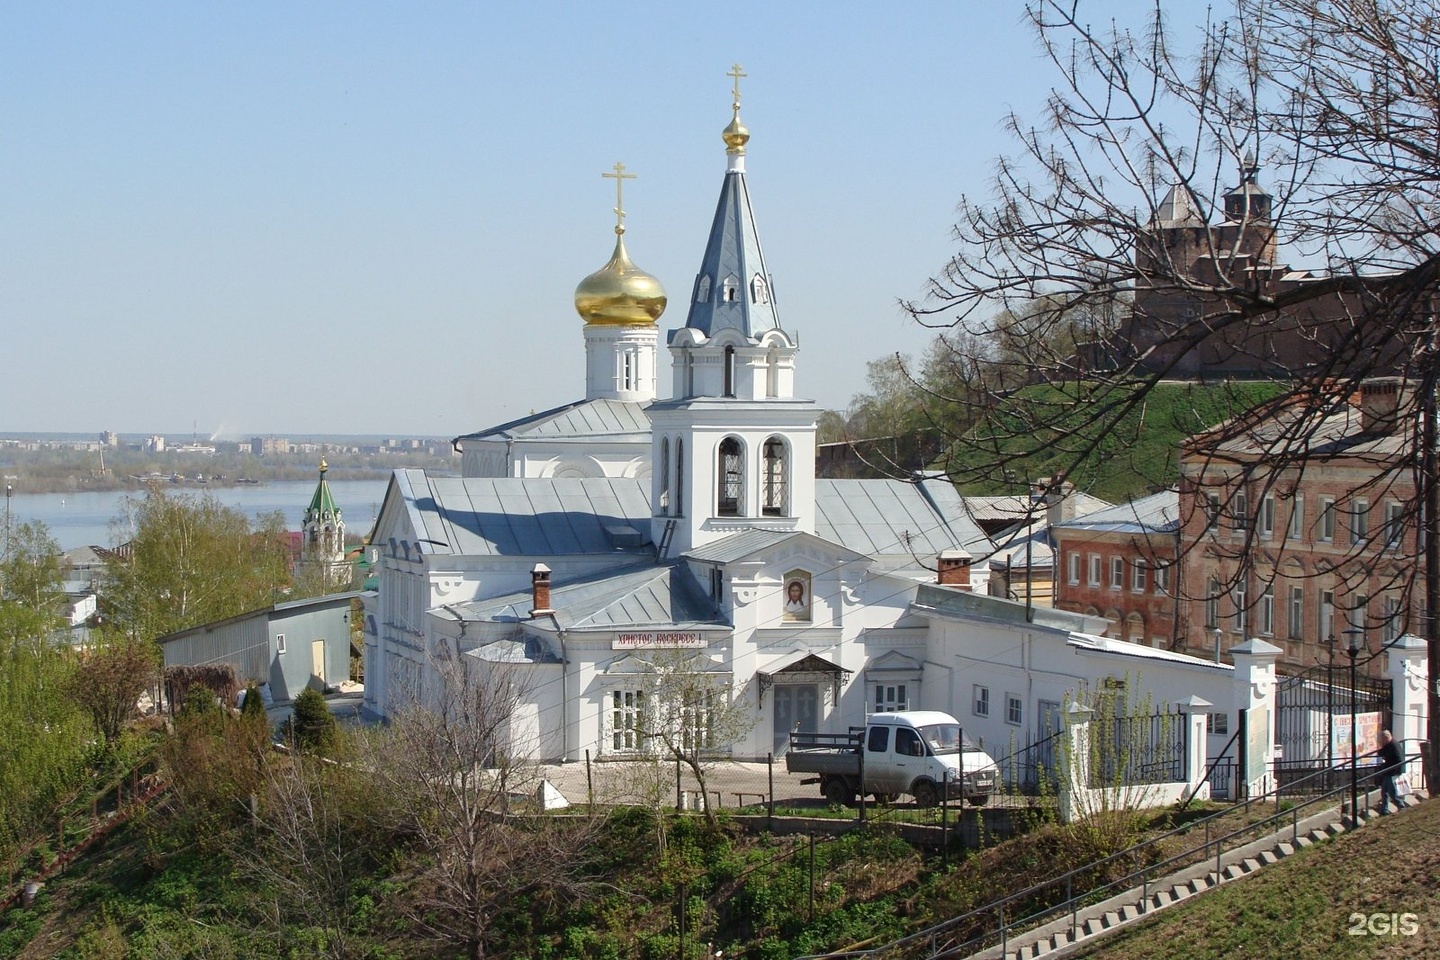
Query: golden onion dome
620	294
736	134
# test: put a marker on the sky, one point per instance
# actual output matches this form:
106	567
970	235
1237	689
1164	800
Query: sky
365	218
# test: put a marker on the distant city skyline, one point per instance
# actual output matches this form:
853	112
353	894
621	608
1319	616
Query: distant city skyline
369	219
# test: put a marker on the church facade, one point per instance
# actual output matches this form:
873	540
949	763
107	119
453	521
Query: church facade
584	544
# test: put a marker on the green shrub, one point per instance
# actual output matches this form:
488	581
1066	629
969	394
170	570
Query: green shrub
312	726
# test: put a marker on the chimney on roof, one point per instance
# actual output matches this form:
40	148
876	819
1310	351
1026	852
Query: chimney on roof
540	589
1059	501
953	569
1380	400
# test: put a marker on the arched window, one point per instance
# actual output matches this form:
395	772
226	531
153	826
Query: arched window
730	470
679	477
729	288
689	374
702	288
664	475
759	292
729	373
772	374
774	479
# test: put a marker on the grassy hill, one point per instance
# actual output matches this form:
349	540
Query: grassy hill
1312	905
1136	456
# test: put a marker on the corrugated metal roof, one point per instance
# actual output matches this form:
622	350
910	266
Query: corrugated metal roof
1157	513
640	596
736	546
514	516
580	420
895	517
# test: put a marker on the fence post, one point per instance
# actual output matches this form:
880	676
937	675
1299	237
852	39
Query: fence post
1075	780
770	777
1407	695
1193	712
589	782
1255	695
679	797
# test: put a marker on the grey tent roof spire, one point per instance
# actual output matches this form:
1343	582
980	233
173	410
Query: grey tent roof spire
733	289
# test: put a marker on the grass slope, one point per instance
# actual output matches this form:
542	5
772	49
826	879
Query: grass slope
1305	907
1137	456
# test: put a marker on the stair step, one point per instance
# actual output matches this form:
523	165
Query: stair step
1284	848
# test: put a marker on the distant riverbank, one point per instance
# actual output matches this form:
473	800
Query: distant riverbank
95	517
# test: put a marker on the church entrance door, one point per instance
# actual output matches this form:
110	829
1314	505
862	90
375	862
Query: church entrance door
797	709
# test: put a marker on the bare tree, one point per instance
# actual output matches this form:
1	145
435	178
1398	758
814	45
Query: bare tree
1138	197
452	761
109	679
691	715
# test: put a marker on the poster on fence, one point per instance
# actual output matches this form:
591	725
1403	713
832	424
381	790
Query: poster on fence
1367	735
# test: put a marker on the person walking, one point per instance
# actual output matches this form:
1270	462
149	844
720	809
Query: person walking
1391	763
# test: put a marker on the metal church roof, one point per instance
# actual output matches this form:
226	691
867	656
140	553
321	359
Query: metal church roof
896	517
733	253
580	420
514	516
648	596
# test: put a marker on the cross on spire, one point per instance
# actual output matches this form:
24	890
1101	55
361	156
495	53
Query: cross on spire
619	176
737	73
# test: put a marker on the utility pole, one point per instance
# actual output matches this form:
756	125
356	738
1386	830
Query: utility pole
1429	528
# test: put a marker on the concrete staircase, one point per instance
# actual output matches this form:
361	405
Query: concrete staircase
1059	938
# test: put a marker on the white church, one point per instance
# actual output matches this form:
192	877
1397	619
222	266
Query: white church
584	542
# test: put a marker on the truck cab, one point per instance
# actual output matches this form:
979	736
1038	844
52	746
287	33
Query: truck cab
921	752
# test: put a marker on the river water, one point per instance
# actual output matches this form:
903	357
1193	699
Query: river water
82	519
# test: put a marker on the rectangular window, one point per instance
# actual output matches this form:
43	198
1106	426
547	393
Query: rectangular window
1296	529
626	720
1359	522
1297	612
1267	611
1240	513
1095	569
1212	511
1267	516
1074	564
1327	520
1217	723
1237	596
1394	524
1212	604
1390	626
1162	579
890	697
1137	576
717	585
1014	709
279	643
1327	616
982	701
1117	573
1359	616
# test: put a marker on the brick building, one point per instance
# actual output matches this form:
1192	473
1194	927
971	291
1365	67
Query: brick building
1300	549
1120	564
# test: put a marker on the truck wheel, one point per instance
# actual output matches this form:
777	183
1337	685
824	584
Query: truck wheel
925	794
978	800
838	792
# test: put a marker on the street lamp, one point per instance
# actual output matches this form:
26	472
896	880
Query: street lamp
1330	714
1354	642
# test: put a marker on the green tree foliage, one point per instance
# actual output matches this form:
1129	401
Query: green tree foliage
42	733
192	560
312	726
33	570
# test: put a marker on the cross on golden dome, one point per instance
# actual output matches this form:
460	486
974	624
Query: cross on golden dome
619	176
737	73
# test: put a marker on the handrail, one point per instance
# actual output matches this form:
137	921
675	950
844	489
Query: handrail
1185	801
1072	901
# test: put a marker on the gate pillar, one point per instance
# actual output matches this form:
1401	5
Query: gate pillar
1255	695
1407	690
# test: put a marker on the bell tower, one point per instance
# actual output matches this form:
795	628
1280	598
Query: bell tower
733	448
